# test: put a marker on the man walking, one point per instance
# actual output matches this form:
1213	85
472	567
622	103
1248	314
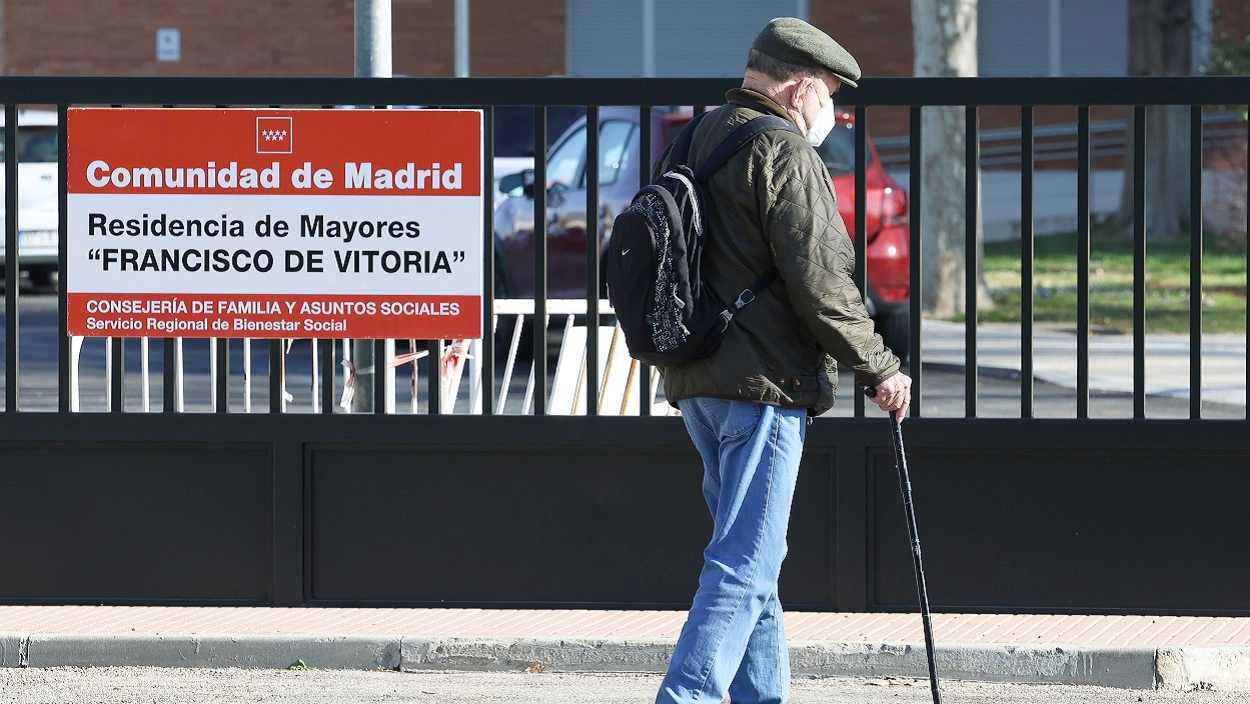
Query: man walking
746	406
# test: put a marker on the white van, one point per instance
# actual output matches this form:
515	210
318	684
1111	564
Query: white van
36	194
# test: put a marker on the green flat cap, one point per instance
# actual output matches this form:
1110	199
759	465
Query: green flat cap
794	41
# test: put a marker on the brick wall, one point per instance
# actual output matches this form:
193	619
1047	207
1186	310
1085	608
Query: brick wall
512	38
276	37
878	34
1230	19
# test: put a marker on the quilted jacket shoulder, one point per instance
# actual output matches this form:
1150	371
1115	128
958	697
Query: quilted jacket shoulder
772	205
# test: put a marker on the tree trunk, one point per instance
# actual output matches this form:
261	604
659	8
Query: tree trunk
1159	45
945	35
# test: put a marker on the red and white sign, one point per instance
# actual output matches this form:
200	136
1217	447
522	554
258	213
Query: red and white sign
275	223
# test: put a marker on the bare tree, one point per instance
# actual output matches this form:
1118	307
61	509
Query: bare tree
1159	45
945	38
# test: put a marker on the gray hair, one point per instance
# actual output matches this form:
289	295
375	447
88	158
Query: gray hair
776	69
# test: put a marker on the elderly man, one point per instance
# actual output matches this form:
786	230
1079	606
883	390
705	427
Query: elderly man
747	406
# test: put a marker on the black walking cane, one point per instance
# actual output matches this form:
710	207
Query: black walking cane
904	485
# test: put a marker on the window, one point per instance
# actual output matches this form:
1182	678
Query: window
564	168
617	145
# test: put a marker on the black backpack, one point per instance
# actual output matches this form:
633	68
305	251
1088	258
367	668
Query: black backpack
654	259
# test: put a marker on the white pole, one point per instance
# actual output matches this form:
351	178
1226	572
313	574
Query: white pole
108	374
75	392
146	384
1201	44
648	38
462	38
212	373
1056	36
247	375
179	378
373	38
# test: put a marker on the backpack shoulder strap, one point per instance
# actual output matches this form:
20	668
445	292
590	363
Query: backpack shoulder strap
738	139
681	148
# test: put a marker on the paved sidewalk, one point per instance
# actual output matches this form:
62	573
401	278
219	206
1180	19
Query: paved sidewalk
1118	651
1111	358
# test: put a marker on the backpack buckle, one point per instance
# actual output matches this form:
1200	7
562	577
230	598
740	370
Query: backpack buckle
746	298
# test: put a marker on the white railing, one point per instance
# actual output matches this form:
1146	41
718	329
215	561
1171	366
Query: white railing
459	393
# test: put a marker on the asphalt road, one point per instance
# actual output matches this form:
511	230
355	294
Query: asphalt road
999	396
158	686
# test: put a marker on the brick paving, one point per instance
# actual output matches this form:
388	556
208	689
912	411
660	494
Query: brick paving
1019	629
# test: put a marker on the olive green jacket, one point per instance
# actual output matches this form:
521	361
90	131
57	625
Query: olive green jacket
772	205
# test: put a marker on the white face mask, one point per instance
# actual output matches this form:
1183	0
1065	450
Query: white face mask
822	125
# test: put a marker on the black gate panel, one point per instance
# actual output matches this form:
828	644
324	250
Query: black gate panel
136	523
1039	517
415	525
1058	530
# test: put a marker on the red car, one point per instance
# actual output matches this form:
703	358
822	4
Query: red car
887	248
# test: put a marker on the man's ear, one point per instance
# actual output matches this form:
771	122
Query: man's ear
800	89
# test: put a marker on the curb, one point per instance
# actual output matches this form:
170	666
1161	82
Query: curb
1173	668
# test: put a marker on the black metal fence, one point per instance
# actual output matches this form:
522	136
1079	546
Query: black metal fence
391	510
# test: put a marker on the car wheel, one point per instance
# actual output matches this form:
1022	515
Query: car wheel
896	331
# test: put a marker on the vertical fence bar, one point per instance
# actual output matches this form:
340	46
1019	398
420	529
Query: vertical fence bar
62	252
223	375
592	260
488	261
1139	261
972	169
277	369
168	382
1082	262
380	400
11	271
861	218
247	375
315	361
540	260
914	254
117	380
1026	261
327	376
1248	268
433	380
644	178
1195	261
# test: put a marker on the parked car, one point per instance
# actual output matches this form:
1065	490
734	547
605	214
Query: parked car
37	153
514	138
887	223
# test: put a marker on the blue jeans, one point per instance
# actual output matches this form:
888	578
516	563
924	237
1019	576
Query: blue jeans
734	640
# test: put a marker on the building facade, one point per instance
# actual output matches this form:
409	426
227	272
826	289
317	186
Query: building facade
550	37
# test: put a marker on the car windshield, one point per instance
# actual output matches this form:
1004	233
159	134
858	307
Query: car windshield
514	128
35	145
838	150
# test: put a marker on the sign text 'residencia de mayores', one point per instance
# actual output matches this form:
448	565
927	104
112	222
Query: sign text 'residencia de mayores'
356	175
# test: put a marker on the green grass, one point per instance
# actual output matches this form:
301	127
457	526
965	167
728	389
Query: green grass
1111	282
